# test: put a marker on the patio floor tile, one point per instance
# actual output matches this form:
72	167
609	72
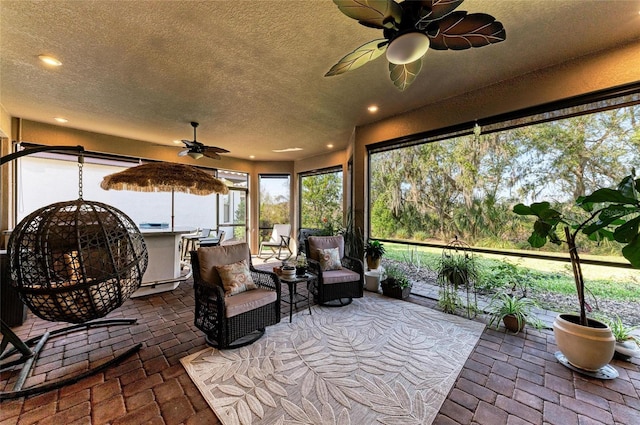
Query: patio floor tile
508	379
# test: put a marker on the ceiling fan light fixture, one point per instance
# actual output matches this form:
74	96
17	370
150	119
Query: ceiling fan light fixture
407	47
195	155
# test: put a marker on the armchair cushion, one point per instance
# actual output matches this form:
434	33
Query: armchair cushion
339	276
324	242
250	300
329	259
236	278
210	257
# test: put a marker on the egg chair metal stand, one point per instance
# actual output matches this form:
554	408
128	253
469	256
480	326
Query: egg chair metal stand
75	262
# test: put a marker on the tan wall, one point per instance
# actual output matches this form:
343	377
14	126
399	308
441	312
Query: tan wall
579	76
5	171
5	123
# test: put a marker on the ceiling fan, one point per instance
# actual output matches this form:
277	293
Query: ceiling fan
197	150
409	29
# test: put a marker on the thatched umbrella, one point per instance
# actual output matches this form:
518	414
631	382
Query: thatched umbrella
165	177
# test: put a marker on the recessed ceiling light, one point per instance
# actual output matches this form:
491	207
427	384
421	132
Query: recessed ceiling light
61	120
252	156
50	60
372	109
330	146
177	142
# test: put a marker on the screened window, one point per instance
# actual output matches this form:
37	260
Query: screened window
321	200
275	194
233	206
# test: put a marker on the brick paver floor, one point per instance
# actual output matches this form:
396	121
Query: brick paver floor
508	379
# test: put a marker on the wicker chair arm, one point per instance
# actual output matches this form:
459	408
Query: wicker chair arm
315	268
265	279
354	264
206	292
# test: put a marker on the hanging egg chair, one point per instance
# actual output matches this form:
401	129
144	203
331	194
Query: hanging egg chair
76	261
72	261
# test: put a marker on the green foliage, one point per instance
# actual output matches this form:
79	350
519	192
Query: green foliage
503	304
382	219
240	232
449	301
506	275
374	249
273	211
456	272
413	258
622	332
321	201
420	236
353	238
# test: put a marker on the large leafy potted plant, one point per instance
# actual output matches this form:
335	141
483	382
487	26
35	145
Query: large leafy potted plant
373	250
612	214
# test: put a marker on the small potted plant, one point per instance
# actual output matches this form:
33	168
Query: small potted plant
395	284
301	264
513	311
627	344
373	250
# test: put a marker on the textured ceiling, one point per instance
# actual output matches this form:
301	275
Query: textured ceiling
252	72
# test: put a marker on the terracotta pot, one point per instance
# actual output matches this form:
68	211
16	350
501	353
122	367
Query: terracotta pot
585	347
511	323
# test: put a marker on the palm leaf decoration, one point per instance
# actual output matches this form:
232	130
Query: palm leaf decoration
403	75
363	54
445	28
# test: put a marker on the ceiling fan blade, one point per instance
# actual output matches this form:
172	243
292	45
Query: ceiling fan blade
210	154
403	75
215	149
372	13
188	143
432	10
460	31
184	152
363	54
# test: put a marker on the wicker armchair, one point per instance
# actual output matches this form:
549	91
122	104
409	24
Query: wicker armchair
234	321
334	288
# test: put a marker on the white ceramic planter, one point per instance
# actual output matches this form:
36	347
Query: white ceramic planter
628	349
585	347
372	281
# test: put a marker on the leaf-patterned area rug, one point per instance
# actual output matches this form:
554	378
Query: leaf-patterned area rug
377	360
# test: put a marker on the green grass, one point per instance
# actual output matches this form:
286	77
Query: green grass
545	275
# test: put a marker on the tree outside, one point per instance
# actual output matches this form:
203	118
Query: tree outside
321	201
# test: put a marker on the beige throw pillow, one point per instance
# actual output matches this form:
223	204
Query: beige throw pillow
236	278
330	259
